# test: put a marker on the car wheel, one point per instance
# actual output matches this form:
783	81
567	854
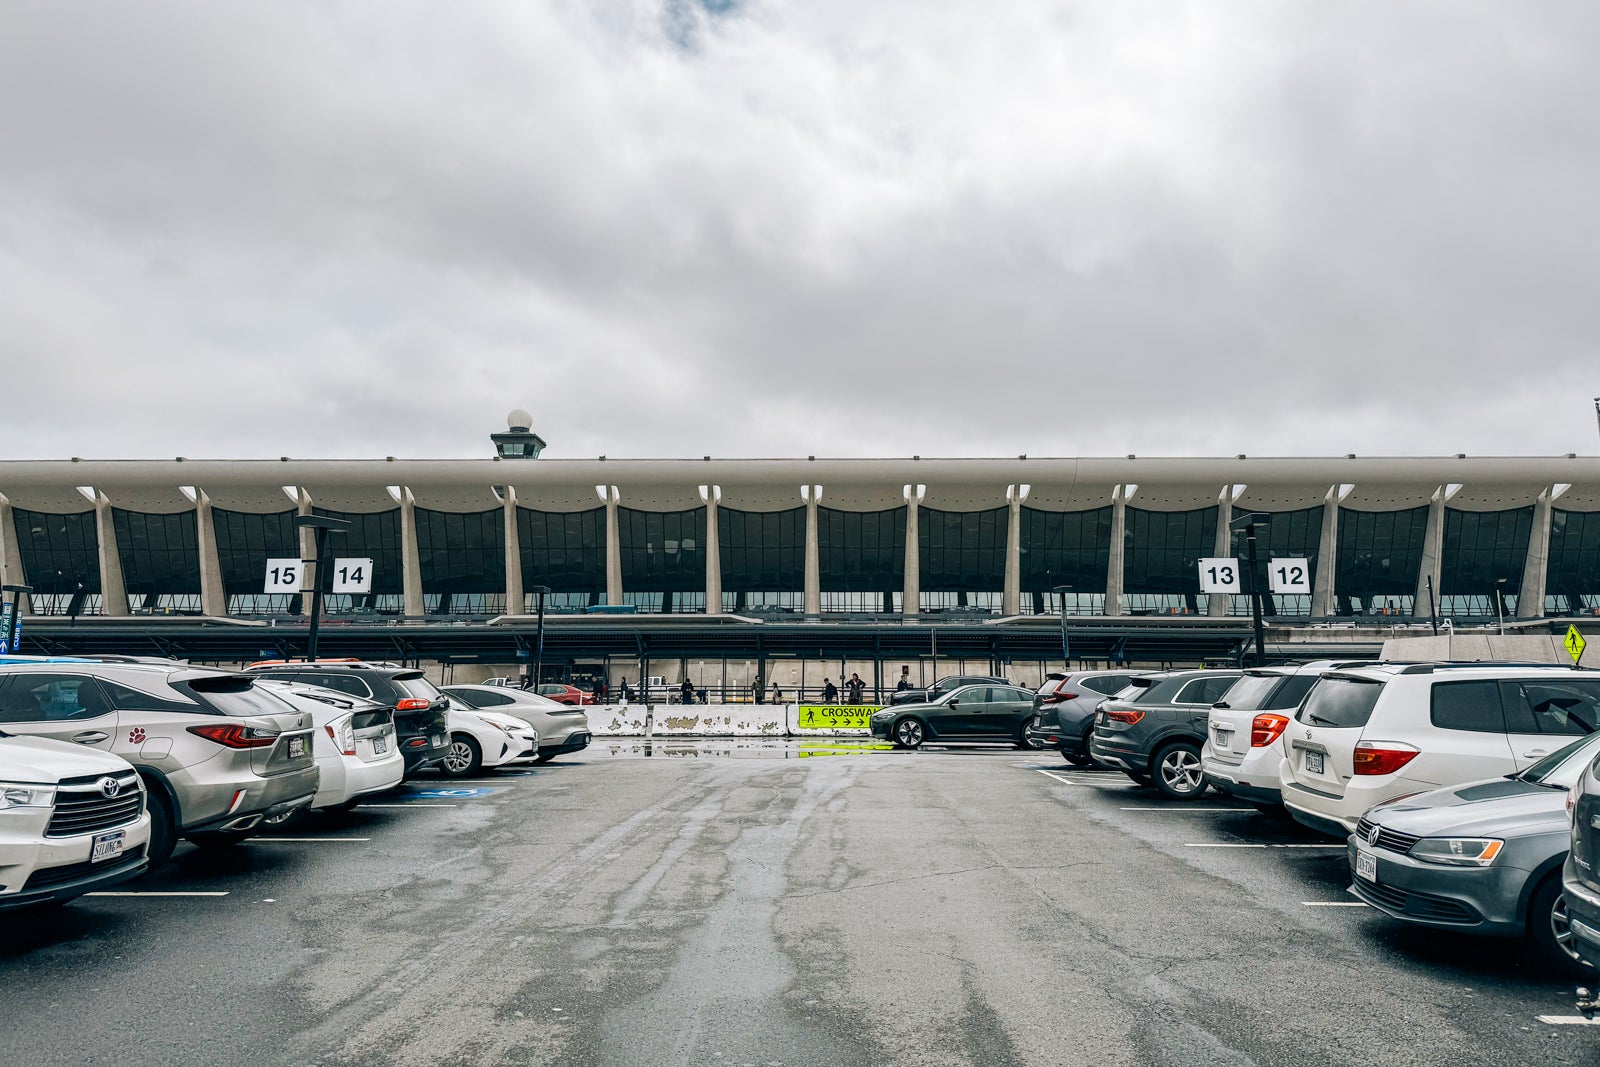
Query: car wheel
1138	779
1550	929
163	828
544	757
462	759
909	733
1024	741
1178	774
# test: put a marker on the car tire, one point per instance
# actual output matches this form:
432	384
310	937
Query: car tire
163	826
1026	742
288	818
1177	773
462	759
1138	779
909	733
1549	929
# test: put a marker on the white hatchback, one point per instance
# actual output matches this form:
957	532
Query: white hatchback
1369	735
485	739
72	820
354	743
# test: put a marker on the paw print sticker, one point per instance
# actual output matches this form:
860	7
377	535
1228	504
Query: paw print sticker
136	736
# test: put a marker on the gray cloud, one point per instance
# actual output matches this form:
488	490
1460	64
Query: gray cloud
767	229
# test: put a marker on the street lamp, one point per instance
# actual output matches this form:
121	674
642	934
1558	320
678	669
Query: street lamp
1500	606
1066	651
323	525
1249	523
538	661
13	634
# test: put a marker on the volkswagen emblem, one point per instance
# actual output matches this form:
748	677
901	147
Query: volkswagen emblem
1372	834
110	787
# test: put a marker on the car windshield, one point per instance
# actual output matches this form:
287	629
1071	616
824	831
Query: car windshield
1250	693
1340	701
246	702
1563	767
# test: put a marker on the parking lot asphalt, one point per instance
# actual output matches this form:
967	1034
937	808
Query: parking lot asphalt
761	902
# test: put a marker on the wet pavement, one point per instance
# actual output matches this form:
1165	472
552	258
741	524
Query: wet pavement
768	902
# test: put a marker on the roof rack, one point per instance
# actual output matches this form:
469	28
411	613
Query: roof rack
1460	665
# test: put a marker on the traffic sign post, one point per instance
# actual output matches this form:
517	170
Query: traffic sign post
1574	644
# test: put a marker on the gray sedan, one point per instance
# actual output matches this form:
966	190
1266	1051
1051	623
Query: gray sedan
1482	858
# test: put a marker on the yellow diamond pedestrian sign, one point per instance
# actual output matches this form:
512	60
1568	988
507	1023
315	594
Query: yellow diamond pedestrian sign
1574	643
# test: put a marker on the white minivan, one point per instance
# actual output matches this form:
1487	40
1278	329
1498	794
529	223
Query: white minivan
1371	734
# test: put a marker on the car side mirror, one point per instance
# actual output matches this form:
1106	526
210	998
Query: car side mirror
444	702
1221	705
954	704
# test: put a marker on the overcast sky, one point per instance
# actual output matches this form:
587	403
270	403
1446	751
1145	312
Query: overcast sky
768	228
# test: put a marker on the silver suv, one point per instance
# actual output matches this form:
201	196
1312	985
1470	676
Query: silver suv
216	753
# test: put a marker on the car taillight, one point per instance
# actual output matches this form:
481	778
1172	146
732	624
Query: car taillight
1572	800
1129	717
412	704
1057	697
1383	757
344	739
233	735
1265	729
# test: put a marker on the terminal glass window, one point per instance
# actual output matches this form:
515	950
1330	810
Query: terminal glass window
1573	582
763	551
663	552
374	536
1161	555
1480	549
861	552
1287	534
1380	555
764	602
60	559
245	541
160	557
1065	548
564	550
463	558
961	552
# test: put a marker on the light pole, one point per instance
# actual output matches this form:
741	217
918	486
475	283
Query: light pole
1066	649
538	656
323	525
1500	606
13	634
1249	523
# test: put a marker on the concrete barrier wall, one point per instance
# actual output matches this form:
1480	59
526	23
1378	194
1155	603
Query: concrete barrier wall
1467	648
689	720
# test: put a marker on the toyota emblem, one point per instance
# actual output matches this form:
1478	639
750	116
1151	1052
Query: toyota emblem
110	787
1372	834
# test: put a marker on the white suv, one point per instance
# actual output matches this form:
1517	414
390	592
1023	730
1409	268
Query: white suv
72	820
1371	734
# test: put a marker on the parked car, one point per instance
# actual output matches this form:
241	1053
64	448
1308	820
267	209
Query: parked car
563	729
1580	877
1064	706
1370	734
562	693
1482	858
354	744
216	753
482	740
1244	734
1154	732
942	687
420	710
72	821
971	713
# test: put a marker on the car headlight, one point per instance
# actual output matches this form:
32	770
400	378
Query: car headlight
26	795
1457	851
502	727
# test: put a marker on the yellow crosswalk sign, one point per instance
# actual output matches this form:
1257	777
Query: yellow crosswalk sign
1574	643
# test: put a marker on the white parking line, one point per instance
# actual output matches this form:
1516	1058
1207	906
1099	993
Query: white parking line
1057	777
1188	811
1229	844
1567	1020
196	894
308	840
411	805
1334	903
1222	846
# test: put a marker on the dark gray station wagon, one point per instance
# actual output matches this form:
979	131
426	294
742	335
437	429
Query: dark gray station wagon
971	713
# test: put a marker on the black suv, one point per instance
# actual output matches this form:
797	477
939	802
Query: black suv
944	685
1155	733
420	710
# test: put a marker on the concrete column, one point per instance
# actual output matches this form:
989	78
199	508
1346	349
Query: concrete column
1536	571
1119	528
713	553
911	596
11	571
812	495
1323	600
613	547
213	597
1011	596
410	556
1219	604
516	602
1432	555
113	589
308	548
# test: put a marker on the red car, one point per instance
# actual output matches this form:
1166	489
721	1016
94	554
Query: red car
565	694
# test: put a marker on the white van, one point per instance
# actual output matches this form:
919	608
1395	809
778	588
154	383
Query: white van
1371	734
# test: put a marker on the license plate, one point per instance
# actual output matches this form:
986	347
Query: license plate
1315	763
1224	738
438	742
380	745
297	747
108	846
1366	865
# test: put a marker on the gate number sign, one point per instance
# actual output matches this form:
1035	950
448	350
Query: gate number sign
283	576
352	576
1290	576
1219	575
